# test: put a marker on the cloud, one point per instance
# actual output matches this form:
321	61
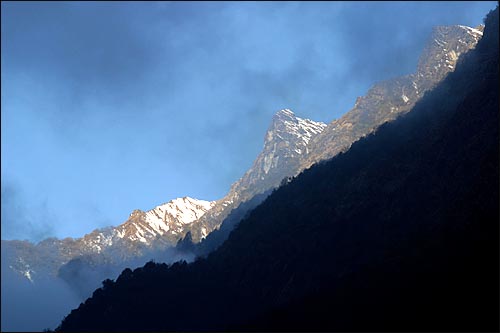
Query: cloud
22	219
28	307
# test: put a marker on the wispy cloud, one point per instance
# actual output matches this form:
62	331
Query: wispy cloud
22	219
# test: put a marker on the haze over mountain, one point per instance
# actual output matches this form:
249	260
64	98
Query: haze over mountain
185	227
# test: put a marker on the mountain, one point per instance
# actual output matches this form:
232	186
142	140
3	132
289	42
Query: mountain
168	220
166	224
286	139
73	268
292	144
398	233
386	100
155	229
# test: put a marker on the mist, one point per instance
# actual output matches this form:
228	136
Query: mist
84	274
42	304
24	219
32	307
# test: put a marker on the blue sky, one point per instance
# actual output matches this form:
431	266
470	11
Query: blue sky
109	107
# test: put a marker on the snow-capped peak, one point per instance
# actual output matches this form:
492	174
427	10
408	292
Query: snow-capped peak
286	126
185	210
167	220
173	215
287	136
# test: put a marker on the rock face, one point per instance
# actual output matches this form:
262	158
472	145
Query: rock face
286	141
291	145
388	99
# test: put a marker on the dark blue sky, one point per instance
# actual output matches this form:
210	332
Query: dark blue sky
109	107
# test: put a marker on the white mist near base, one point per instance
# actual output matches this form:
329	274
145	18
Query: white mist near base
29	307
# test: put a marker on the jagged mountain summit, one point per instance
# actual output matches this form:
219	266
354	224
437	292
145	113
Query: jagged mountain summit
285	141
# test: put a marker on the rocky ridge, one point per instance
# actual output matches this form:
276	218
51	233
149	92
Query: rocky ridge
388	99
155	229
285	141
383	102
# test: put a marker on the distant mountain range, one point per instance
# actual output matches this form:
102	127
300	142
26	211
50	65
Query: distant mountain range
291	145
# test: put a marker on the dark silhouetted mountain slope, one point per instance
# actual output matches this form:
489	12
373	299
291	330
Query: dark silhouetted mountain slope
398	233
